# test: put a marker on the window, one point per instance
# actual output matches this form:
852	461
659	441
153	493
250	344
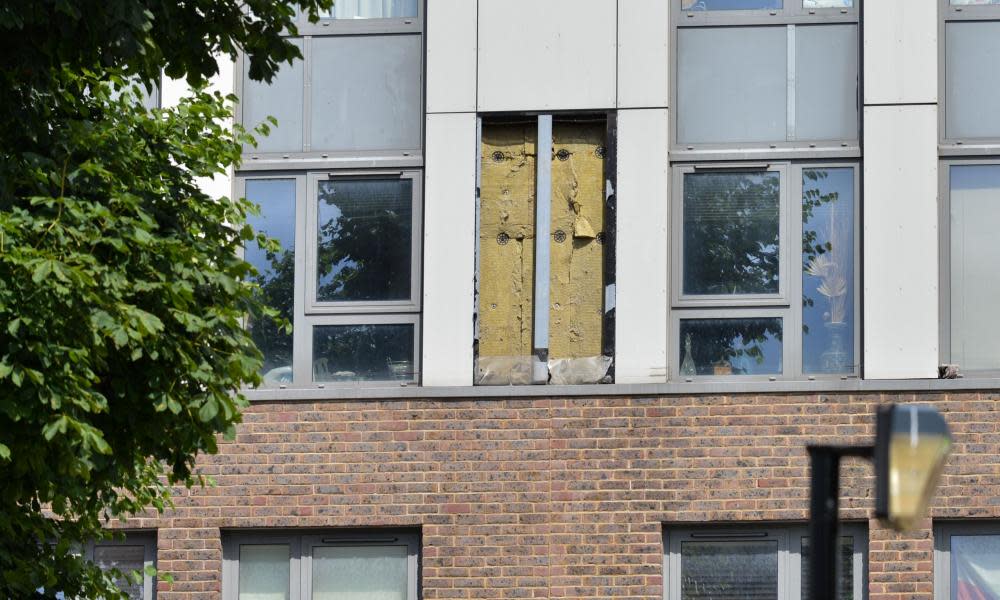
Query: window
756	564
131	556
346	274
765	270
766	75
339	183
966	560
357	93
970	281
971	33
376	565
545	286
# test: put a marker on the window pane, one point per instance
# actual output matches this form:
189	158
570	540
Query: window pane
363	353
730	4
828	271
845	569
826	82
729	570
366	92
276	272
975	566
975	279
731	233
731	84
731	346
365	240
972	2
282	99
973	51
359	573
264	572
371	9
126	559
828	3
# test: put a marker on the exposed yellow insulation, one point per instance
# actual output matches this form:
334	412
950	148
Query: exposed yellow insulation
507	239
576	314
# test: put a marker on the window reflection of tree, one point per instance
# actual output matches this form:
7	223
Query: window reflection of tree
277	290
363	352
729	346
364	250
731	233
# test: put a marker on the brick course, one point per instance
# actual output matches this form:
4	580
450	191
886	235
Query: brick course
556	497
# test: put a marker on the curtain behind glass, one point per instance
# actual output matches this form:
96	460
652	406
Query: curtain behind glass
975	567
359	573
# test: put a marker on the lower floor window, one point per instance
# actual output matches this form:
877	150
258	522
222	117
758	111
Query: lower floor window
373	565
131	557
756	564
967	561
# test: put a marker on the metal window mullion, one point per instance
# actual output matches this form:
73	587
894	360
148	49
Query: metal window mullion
301	331
543	223
790	81
307	75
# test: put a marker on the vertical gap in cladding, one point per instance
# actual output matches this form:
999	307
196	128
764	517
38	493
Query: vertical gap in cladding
791	83
543	219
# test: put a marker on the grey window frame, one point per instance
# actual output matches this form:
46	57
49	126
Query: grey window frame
950	14
315	307
944	267
146	539
792	14
787	306
351	313
301	545
319	160
789	540
943	531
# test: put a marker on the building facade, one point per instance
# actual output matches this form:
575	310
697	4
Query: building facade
573	283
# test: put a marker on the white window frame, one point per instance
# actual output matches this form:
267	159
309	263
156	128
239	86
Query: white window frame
788	540
787	304
132	538
301	547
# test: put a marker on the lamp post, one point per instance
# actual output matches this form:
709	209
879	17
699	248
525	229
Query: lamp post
911	445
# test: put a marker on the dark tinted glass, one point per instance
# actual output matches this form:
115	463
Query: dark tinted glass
363	353
731	346
729	570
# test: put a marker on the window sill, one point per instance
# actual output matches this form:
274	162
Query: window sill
650	389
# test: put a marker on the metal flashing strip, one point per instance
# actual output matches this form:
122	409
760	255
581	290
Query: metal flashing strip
543	220
858	386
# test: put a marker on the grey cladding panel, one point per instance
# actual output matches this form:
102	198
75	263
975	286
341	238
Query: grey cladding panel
973	80
281	100
826	82
732	84
366	93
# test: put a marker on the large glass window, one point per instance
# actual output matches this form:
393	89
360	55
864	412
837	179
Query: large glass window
756	564
970	30
766	75
349	286
971	281
374	565
742	307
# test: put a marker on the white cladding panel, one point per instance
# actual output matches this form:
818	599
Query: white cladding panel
900	237
547	54
449	243
643	53
900	50
642	242
451	56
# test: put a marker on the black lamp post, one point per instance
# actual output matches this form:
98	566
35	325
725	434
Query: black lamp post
911	445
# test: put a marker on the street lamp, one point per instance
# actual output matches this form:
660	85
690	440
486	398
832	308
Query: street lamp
911	445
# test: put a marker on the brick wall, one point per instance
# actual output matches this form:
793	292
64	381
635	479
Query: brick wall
559	498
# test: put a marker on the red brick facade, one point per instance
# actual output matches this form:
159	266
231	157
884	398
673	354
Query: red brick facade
559	498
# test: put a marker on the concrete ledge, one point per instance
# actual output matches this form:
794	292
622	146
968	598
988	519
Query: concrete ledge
667	389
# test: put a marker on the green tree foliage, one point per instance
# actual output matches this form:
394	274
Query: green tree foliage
122	297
